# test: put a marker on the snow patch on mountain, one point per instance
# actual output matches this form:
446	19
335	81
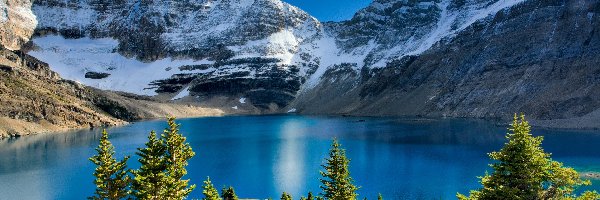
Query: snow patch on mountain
330	55
449	19
183	93
73	58
413	27
282	45
3	12
62	17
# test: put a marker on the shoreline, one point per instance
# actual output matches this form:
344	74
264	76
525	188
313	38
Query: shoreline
17	128
497	122
590	175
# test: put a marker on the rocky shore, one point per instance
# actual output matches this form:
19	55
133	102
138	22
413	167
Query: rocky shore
590	175
34	99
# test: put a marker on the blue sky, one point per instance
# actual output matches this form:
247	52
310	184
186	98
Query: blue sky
330	10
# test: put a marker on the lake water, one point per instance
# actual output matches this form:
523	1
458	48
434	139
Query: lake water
262	156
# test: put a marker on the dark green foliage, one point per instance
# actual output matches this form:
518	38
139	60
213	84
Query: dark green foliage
228	194
286	196
163	165
177	154
148	180
111	175
379	196
336	182
522	170
209	191
310	197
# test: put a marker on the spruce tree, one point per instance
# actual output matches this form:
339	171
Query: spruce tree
379	196
310	197
228	194
177	154
111	175
522	170
148	180
286	196
209	191
336	182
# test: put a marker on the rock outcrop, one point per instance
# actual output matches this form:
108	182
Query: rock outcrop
17	23
34	99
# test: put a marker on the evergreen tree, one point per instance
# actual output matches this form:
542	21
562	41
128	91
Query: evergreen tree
228	194
379	196
209	191
310	197
177	154
337	183
522	170
148	180
286	196
111	175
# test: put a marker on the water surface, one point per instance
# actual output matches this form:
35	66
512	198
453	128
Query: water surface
262	156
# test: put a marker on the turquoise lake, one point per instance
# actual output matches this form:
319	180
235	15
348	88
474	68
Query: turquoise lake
263	156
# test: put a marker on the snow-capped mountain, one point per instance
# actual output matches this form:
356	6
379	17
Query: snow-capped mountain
387	29
536	56
254	48
209	48
278	58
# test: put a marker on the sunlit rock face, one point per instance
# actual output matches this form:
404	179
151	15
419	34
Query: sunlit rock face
17	23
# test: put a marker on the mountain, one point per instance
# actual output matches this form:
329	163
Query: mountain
428	58
35	99
536	57
216	50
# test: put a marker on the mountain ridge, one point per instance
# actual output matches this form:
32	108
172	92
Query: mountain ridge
278	58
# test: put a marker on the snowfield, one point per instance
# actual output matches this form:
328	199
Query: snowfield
73	58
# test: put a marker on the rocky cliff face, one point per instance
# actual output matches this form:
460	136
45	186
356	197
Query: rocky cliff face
242	48
453	58
17	23
538	57
34	99
388	29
